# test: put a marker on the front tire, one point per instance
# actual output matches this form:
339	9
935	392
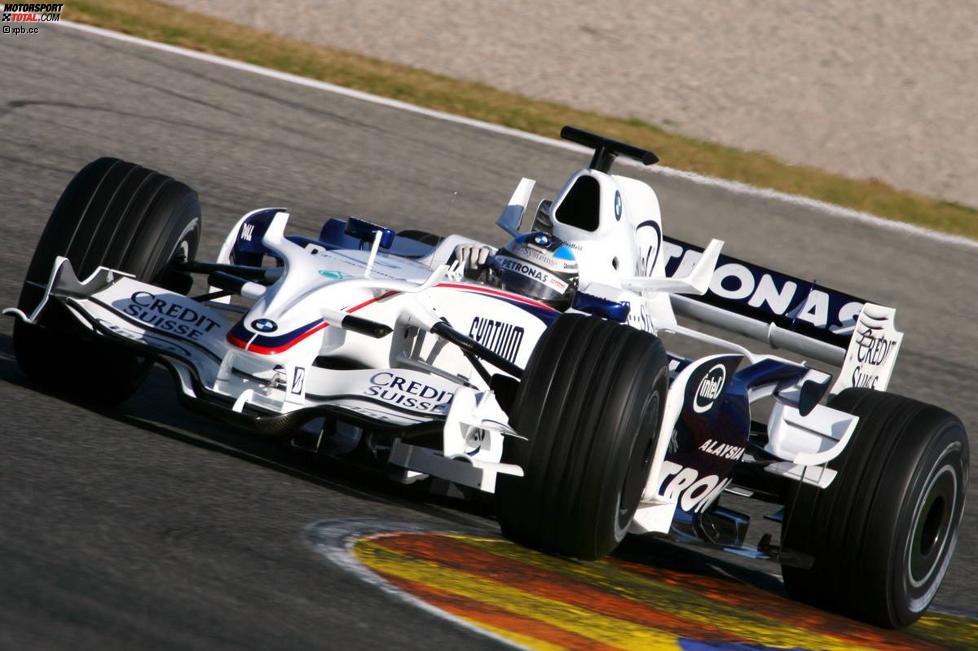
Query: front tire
114	214
883	533
590	404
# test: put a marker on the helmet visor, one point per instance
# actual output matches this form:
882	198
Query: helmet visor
529	280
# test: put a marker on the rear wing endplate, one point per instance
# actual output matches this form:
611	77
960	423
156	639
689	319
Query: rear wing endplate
794	314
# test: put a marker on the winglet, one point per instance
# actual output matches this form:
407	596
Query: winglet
512	215
697	281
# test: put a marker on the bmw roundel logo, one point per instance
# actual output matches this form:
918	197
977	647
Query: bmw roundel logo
617	204
264	325
541	239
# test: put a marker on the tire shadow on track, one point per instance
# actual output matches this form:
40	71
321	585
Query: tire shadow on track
674	595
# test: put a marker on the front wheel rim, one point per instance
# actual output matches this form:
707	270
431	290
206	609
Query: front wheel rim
639	462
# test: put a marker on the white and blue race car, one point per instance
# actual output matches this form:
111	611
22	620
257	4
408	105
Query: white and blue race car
553	391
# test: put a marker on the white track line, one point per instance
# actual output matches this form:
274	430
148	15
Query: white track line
734	187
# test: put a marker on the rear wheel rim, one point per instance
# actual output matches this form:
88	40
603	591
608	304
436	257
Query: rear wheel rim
932	522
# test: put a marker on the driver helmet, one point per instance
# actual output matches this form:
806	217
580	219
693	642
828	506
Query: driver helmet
538	265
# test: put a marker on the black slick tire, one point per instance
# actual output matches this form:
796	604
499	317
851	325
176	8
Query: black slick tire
590	406
882	534
114	214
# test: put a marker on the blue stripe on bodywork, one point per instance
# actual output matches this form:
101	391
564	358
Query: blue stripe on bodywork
277	341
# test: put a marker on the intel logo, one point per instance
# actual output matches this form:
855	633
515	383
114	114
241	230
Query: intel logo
709	389
264	325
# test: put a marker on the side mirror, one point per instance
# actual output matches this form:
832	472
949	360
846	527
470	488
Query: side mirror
366	232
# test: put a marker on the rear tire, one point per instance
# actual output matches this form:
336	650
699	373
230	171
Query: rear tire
590	404
882	534
114	214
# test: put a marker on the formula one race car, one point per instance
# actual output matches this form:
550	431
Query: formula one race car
380	348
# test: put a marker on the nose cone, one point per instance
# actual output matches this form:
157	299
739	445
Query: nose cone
264	336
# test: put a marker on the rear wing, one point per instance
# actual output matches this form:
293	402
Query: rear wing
794	314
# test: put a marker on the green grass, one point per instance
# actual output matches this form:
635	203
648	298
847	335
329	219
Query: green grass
160	22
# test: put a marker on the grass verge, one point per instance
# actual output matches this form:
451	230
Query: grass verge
160	22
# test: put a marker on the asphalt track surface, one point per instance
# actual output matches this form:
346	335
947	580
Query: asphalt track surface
148	527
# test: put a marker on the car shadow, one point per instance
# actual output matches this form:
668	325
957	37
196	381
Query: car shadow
156	409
